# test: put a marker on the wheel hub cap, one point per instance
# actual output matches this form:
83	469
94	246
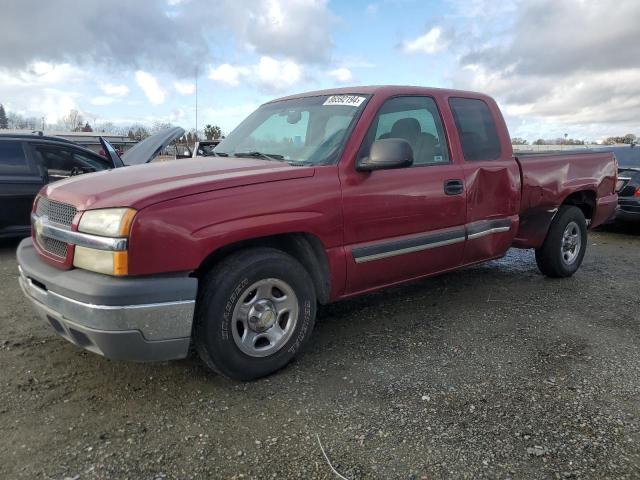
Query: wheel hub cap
571	243
262	316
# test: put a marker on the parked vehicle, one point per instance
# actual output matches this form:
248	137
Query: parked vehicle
628	187
205	148
27	162
316	197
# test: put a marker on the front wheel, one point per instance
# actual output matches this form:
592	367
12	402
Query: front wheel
254	313
564	247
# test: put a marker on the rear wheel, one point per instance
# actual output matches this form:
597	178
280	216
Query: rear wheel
564	247
254	313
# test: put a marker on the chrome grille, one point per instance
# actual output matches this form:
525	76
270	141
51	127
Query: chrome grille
53	246
57	212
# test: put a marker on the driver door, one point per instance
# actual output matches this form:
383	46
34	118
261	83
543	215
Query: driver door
407	222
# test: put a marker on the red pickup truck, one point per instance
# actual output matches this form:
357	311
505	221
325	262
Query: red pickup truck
313	198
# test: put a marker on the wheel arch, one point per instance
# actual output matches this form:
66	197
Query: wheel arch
535	223
305	247
585	200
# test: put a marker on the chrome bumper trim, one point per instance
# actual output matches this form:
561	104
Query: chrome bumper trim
491	231
43	226
155	321
402	251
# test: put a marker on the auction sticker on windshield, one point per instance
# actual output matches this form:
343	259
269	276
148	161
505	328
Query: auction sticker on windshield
348	100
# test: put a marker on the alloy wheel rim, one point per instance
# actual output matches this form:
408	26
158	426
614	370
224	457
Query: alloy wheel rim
264	317
571	243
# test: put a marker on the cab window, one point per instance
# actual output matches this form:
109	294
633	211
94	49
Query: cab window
416	120
476	129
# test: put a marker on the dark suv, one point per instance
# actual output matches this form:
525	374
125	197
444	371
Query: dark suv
27	162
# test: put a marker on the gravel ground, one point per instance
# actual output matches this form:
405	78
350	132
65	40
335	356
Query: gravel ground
492	372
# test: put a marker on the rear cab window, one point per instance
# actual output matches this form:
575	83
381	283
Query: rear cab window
476	129
13	160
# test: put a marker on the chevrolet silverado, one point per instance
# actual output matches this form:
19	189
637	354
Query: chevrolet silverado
313	198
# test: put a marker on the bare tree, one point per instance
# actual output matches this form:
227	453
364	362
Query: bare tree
71	120
159	126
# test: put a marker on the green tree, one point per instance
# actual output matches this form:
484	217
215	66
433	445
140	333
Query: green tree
4	121
212	132
519	141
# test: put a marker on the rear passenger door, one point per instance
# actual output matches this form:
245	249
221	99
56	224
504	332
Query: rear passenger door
492	178
20	181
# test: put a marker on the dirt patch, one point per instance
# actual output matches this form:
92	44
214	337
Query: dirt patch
492	372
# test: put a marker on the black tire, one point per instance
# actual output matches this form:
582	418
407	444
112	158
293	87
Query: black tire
550	257
219	294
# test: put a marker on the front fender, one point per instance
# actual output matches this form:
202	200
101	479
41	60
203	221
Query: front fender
177	235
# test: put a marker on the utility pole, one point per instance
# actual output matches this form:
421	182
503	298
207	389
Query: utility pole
43	124
196	103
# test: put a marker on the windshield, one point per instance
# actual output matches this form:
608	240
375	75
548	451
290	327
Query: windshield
309	130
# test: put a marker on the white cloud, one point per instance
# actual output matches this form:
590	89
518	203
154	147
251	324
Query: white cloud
228	74
430	42
227	117
114	90
341	75
372	9
150	86
52	104
184	87
43	74
551	76
295	29
269	73
102	100
278	74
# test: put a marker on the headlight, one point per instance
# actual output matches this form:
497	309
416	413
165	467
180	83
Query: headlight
108	222
101	261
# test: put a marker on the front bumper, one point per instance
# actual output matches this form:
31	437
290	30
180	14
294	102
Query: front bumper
137	319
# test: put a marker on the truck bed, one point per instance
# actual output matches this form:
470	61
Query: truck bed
548	180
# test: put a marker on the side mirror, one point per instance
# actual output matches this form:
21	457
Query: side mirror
386	154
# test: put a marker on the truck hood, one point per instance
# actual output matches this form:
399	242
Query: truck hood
150	147
142	185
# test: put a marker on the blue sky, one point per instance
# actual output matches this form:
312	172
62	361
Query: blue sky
555	67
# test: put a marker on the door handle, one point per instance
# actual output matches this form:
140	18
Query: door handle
453	187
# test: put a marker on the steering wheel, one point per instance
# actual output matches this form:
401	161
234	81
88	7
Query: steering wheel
324	148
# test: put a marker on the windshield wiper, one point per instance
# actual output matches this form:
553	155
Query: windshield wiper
267	156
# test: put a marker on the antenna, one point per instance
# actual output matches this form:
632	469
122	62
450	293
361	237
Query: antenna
196	102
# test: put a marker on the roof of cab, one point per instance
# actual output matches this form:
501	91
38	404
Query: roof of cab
387	90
